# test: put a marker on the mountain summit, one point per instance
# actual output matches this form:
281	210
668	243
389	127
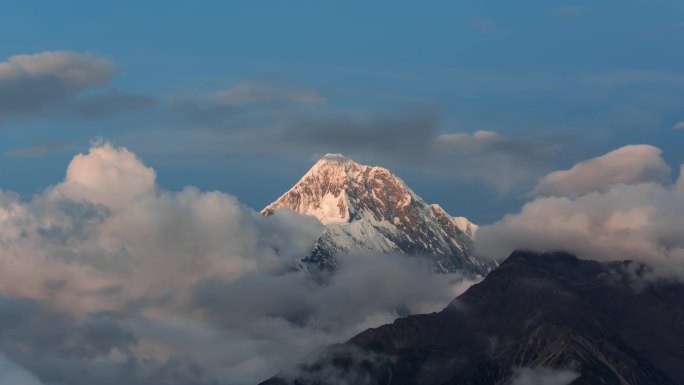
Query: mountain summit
367	208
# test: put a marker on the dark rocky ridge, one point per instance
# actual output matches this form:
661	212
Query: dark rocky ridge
536	310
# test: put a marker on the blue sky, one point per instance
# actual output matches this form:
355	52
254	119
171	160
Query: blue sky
244	96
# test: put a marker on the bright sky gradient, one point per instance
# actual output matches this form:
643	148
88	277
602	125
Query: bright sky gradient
469	102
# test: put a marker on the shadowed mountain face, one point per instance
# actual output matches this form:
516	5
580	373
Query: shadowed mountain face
548	319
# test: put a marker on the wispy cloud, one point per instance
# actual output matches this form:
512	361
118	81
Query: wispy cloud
413	140
543	376
625	77
484	25
256	92
569	10
679	126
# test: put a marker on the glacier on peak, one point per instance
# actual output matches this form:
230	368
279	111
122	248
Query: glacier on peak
369	209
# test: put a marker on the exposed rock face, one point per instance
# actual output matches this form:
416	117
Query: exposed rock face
553	315
368	208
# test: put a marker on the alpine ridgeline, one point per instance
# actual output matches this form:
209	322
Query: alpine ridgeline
537	319
367	208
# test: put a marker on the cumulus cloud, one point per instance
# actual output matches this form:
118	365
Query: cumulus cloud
544	376
626	165
112	177
32	83
639	216
679	186
109	275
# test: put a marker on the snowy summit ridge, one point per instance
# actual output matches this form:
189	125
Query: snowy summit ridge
368	208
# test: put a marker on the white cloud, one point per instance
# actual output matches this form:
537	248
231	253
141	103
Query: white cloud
626	165
679	186
74	70
679	126
544	376
113	177
185	276
599	220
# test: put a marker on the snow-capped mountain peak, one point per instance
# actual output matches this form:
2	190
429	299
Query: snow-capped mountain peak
338	190
369	208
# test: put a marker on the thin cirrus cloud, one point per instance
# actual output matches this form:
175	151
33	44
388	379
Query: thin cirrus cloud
413	139
97	279
625	208
500	161
569	10
112	103
261	92
250	105
484	25
679	126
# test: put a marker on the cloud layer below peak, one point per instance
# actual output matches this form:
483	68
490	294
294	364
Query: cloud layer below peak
622	205
108	274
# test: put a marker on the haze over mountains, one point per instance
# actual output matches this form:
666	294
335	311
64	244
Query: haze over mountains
367	209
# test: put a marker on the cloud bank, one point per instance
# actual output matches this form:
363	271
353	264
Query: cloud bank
622	205
413	140
626	165
106	278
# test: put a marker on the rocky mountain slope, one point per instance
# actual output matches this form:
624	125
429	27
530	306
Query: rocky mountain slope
367	208
536	319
